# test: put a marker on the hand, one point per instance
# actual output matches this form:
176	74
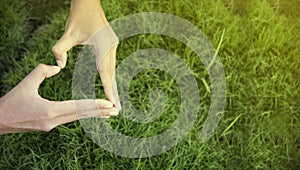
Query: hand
23	109
85	19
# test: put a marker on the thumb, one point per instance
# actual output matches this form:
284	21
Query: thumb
60	49
116	95
40	73
85	108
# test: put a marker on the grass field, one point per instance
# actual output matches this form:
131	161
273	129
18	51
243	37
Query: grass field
260	128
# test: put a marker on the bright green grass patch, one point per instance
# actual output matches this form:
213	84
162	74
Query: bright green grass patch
260	127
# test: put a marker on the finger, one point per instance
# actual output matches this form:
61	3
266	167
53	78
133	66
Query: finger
105	113
107	71
106	80
81	108
60	49
116	95
40	73
73	117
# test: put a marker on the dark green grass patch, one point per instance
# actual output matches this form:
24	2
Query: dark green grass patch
14	31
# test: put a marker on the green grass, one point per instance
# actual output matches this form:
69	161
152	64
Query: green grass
260	52
14	23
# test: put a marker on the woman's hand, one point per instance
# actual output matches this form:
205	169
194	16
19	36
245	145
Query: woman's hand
85	19
23	109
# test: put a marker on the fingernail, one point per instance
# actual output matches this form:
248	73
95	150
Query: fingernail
114	113
59	63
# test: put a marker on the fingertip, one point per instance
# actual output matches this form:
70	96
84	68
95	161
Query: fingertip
62	61
60	64
118	105
56	69
60	58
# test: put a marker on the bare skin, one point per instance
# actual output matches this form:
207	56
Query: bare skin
23	109
85	19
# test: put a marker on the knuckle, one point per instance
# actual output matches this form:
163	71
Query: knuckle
102	70
55	49
42	66
69	33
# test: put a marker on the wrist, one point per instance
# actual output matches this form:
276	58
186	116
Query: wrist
2	113
85	18
3	116
88	8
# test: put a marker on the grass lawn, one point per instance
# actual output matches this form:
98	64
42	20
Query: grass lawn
260	128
